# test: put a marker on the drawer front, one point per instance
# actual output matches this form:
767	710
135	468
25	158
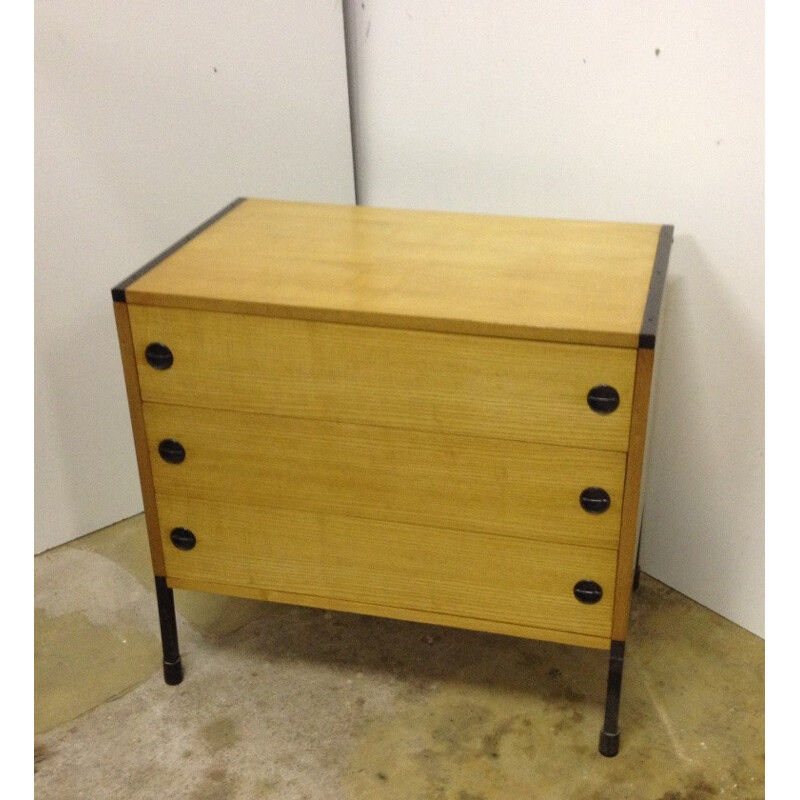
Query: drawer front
485	485
386	564
448	383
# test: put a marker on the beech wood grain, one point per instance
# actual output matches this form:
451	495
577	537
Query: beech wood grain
447	383
373	563
484	485
544	279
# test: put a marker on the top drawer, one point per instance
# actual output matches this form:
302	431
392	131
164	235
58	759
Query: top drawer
441	382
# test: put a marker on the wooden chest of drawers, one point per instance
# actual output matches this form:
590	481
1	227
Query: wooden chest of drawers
427	416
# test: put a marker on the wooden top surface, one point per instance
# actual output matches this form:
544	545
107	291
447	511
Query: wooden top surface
553	280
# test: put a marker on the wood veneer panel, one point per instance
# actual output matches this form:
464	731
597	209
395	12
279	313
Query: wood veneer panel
485	485
482	386
555	280
335	604
367	562
139	435
632	495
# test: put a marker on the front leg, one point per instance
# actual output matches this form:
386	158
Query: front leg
173	671
609	736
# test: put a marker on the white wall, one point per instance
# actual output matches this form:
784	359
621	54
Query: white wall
151	116
612	110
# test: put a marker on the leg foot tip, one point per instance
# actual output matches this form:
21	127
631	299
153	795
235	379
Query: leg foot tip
609	744
173	672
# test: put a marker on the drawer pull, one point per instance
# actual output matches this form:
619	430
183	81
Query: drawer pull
588	592
182	538
595	500
158	355
603	399
171	451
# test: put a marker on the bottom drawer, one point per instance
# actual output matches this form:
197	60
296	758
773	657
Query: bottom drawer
375	566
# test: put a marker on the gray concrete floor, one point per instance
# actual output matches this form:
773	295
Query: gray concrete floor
292	703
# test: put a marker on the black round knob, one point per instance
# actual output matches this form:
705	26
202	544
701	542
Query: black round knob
183	538
171	451
595	500
158	355
603	399
588	592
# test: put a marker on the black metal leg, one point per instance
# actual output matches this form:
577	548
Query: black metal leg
173	671
609	736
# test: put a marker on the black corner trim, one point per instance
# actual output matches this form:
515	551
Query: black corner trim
647	334
118	292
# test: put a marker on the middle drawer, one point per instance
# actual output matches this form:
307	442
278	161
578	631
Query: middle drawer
441	480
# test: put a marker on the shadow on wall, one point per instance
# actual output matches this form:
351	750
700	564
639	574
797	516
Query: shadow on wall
704	493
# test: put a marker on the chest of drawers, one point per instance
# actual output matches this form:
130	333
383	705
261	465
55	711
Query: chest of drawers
428	416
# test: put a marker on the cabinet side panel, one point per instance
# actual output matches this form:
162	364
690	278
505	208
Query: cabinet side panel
139	435
631	494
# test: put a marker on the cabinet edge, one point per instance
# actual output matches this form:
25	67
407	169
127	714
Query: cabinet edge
647	332
131	375
631	497
118	291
